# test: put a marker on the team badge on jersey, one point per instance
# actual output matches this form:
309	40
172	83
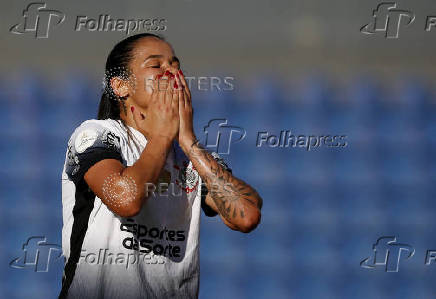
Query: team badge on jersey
187	178
84	140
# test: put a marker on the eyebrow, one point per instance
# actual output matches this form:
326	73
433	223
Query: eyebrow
173	59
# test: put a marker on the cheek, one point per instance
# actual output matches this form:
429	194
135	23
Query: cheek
146	84
144	89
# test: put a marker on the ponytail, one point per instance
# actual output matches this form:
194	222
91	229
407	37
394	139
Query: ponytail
107	108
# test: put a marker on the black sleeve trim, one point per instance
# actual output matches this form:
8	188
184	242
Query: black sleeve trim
208	211
92	156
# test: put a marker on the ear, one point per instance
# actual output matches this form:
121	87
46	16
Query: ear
119	86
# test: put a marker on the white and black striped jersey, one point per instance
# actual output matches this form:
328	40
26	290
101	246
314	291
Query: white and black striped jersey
154	254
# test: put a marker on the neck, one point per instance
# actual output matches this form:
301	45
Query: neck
128	120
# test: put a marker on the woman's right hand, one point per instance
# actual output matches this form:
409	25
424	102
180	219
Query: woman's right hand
162	118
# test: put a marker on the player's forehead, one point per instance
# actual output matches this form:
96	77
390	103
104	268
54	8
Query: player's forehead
151	47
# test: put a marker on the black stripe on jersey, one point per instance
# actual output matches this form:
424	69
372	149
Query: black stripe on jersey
83	207
81	211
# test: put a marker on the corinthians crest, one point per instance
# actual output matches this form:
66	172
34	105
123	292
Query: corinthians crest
187	178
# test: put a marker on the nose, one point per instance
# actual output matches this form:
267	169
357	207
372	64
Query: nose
172	70
169	71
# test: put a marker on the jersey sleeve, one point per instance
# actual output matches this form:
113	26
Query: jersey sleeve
89	144
208	211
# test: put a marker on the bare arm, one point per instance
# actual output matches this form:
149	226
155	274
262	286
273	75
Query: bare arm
123	189
237	203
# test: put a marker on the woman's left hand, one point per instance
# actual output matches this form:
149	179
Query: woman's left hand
186	129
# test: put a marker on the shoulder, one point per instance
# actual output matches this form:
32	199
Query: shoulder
96	125
99	124
93	140
95	132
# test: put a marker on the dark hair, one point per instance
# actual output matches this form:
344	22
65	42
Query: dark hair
117	65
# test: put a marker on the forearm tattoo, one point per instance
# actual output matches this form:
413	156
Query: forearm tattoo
119	191
229	193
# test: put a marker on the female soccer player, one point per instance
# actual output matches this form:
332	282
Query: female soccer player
134	182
